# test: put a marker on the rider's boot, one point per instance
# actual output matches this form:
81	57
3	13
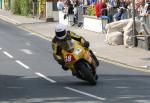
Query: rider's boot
64	68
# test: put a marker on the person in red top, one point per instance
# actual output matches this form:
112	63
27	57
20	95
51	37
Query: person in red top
99	6
138	3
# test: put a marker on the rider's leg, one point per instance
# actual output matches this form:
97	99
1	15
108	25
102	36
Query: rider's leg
64	67
62	63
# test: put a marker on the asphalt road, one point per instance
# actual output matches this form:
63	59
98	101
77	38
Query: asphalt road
29	74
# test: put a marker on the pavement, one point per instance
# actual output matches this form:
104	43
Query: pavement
135	58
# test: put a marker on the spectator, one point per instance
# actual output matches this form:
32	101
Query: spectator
60	5
70	7
147	6
144	10
114	3
92	2
99	6
119	14
75	11
124	9
127	3
111	13
122	3
77	2
138	3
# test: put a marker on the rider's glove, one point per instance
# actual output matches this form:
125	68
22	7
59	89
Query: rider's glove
61	62
86	44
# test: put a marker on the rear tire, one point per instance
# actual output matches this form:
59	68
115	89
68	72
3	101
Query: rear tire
86	72
95	58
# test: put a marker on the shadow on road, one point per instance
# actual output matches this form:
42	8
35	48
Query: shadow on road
115	88
19	89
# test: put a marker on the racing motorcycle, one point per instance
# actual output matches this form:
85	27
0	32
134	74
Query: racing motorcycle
79	60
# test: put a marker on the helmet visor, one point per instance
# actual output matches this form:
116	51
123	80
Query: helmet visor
61	35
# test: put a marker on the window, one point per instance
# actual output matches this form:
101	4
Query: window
55	6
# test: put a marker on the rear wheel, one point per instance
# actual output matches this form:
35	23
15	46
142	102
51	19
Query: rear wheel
86	72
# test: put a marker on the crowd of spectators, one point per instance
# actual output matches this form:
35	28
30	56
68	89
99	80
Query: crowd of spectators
115	10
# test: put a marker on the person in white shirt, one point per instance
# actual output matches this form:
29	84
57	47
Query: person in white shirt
60	5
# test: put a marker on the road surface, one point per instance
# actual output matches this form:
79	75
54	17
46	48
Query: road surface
29	74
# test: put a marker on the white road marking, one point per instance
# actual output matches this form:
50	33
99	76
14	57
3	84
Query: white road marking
45	77
22	64
7	54
122	87
84	93
27	51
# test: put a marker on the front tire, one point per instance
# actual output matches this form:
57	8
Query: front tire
86	72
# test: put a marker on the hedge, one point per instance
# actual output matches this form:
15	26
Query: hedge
22	7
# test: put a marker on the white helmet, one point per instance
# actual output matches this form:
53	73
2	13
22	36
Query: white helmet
60	31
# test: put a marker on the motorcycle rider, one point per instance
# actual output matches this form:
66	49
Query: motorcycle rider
62	34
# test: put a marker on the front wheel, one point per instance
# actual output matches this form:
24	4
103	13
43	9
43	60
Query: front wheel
86	72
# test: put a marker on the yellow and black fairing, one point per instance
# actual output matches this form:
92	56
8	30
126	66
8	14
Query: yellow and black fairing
77	53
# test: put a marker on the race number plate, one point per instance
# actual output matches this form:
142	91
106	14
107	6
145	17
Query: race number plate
69	58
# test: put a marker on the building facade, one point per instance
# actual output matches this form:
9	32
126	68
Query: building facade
48	9
7	4
0	4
